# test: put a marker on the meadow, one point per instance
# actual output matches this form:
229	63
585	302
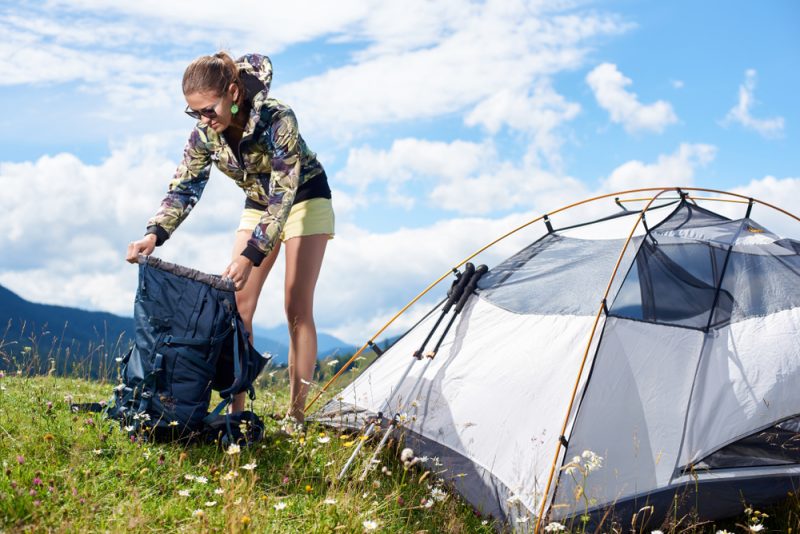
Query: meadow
66	471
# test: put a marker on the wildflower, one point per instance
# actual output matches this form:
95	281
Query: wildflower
723	532
245	520
184	492
233	449
656	532
118	359
370	525
98	451
201	480
20	459
49	405
348	443
285	480
332	363
323	439
401	501
406	455
173	423
438	494
279	506
219	491
250	466
308	488
130	428
32	492
198	513
756	528
37	502
160	459
329	501
48	437
593	461
209	504
230	475
188	477
554	526
427	503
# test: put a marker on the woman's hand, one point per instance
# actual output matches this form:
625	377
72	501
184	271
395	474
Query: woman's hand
145	245
239	271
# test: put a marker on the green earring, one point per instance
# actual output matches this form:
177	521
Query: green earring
234	108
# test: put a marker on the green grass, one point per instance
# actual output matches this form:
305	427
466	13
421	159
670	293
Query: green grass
71	472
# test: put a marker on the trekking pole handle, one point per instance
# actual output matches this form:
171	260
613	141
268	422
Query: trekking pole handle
458	287
471	286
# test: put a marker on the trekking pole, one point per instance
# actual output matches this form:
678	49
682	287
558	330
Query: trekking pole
462	298
455	292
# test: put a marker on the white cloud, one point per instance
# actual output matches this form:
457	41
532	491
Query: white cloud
677	84
670	170
608	85
540	111
465	177
781	194
740	113
499	47
416	60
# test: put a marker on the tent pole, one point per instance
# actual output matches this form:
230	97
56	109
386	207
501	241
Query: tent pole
571	403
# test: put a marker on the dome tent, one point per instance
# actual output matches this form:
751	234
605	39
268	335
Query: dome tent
673	355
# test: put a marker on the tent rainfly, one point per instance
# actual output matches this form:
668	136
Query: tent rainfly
602	376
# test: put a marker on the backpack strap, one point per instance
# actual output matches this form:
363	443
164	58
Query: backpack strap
148	387
217	411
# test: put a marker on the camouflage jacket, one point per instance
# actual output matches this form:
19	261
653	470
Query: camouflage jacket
275	161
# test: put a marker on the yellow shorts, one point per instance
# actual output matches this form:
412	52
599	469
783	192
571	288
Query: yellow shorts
310	217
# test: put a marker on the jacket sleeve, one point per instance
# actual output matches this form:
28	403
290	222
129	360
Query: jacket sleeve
282	141
185	188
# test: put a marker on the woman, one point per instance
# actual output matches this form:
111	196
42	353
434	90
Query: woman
255	141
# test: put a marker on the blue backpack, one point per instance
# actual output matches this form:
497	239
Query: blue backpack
189	340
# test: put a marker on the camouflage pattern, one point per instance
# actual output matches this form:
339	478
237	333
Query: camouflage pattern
275	162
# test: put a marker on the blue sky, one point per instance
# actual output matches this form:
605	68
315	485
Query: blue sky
441	125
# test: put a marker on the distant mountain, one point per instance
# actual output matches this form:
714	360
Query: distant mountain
93	339
67	336
326	343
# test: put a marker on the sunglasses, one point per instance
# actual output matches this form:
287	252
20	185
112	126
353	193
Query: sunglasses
209	113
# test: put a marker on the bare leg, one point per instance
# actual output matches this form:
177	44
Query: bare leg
303	261
247	297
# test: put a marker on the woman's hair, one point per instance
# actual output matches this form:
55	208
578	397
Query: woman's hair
212	74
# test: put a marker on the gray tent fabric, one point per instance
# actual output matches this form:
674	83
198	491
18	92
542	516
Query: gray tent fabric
688	388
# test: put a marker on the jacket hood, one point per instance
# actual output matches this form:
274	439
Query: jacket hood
255	72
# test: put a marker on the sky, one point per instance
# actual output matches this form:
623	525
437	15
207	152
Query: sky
441	125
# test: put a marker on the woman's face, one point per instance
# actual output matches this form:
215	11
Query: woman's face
214	109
